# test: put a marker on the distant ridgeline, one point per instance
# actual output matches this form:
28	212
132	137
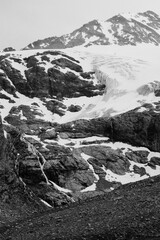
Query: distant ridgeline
122	29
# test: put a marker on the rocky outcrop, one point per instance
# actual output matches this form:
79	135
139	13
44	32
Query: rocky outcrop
137	128
83	127
29	167
153	162
69	85
65	63
56	106
26	119
6	84
106	157
37	81
74	108
15	76
8	49
138	156
16	199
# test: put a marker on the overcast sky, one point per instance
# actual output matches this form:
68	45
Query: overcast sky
24	21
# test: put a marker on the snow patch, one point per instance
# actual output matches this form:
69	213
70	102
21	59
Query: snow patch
64	190
123	179
47	204
90	188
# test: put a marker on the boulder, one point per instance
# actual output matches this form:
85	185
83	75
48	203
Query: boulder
48	134
153	162
56	107
137	156
30	170
139	170
74	108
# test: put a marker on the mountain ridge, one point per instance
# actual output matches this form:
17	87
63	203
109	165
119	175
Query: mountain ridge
78	124
121	29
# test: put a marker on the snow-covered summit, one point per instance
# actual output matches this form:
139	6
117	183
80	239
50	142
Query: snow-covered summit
121	29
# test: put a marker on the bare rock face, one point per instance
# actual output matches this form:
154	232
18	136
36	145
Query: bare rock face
84	127
29	167
26	118
8	49
6	84
113	160
63	62
17	80
68	169
56	107
36	81
16	199
138	156
153	162
138	128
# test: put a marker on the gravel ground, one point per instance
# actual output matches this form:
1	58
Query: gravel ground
131	212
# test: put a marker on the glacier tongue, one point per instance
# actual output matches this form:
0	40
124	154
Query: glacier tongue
129	73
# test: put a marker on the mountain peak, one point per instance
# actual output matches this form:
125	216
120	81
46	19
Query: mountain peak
151	13
121	29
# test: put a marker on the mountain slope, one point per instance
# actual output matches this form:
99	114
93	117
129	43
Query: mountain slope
130	212
62	117
122	29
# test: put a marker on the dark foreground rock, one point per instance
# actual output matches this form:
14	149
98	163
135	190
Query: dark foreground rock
16	199
129	213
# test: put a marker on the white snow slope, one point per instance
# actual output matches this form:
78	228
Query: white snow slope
131	73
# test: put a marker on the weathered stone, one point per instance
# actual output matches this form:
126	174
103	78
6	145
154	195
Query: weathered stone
63	62
30	171
135	128
6	84
63	135
153	162
56	107
139	170
138	156
48	134
74	108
